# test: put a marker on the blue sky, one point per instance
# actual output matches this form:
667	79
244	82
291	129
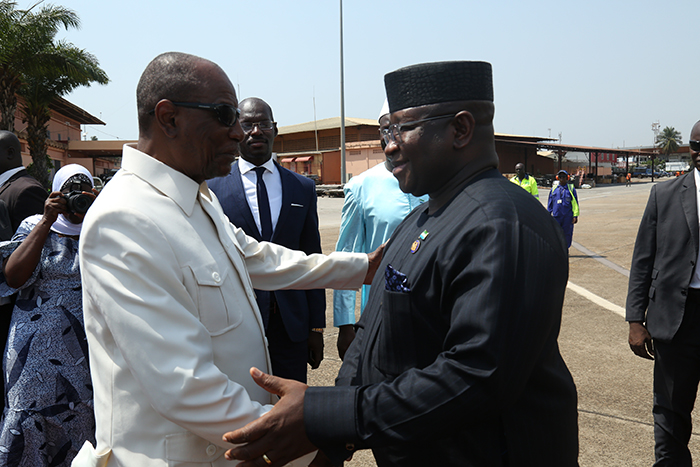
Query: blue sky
598	72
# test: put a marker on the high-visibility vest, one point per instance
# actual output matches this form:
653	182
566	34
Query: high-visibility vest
528	183
574	201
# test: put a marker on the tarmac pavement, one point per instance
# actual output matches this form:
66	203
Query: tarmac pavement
614	385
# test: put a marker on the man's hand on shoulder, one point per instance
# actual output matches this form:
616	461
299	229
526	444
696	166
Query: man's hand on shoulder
375	258
640	340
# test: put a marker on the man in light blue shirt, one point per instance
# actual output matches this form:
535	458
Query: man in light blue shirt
374	206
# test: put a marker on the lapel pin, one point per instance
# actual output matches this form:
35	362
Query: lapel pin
415	246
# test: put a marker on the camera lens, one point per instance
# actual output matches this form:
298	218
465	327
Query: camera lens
78	202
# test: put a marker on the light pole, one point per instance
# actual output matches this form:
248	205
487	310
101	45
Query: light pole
342	103
655	128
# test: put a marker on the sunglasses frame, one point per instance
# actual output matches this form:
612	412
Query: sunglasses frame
216	108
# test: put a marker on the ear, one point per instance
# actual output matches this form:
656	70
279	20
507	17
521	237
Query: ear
165	118
274	125
464	124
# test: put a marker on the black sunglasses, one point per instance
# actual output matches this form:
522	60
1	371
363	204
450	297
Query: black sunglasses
226	113
694	145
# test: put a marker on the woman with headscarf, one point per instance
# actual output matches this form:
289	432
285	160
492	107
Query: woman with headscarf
48	393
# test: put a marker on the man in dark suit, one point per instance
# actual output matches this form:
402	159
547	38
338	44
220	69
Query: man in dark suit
663	306
21	196
455	361
20	193
281	208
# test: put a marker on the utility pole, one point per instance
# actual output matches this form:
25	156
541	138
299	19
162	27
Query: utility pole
342	103
655	128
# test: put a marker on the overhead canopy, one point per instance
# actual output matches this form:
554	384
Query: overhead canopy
71	110
287	159
304	159
590	149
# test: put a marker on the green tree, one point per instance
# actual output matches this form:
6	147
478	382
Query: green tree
42	87
26	47
668	140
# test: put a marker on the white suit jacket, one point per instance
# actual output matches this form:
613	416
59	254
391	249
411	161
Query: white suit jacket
170	313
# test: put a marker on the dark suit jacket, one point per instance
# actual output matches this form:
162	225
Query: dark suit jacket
463	369
664	257
297	229
24	196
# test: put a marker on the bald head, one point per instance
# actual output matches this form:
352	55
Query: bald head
173	75
255	104
260	130
10	151
695	136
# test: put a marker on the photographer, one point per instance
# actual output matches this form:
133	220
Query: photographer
48	392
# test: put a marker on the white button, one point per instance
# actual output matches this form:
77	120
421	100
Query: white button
211	450
215	275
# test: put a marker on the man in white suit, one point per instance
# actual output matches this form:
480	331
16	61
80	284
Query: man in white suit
172	323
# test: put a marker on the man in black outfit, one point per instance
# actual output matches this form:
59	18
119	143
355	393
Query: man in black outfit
455	361
663	306
21	196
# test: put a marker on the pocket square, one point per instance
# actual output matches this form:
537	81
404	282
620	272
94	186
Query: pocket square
294	205
395	281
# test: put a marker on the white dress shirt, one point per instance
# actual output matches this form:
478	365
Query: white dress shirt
6	175
273	183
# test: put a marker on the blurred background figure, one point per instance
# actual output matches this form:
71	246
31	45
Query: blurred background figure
563	204
525	181
48	393
374	205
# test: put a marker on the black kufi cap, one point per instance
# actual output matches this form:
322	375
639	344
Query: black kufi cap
434	83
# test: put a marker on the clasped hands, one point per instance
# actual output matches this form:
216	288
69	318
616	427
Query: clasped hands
279	436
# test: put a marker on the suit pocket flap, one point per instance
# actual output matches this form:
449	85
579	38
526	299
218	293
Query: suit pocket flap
188	447
209	274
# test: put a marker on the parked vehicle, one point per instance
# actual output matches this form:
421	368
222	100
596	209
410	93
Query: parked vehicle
97	181
640	172
645	172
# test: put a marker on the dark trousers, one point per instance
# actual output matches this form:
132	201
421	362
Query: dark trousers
289	359
676	377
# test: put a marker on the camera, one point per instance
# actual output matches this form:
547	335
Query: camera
78	202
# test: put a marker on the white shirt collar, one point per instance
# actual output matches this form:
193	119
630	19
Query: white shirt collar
244	166
6	175
172	183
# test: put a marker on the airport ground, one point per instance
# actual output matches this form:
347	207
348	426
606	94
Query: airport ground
614	385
